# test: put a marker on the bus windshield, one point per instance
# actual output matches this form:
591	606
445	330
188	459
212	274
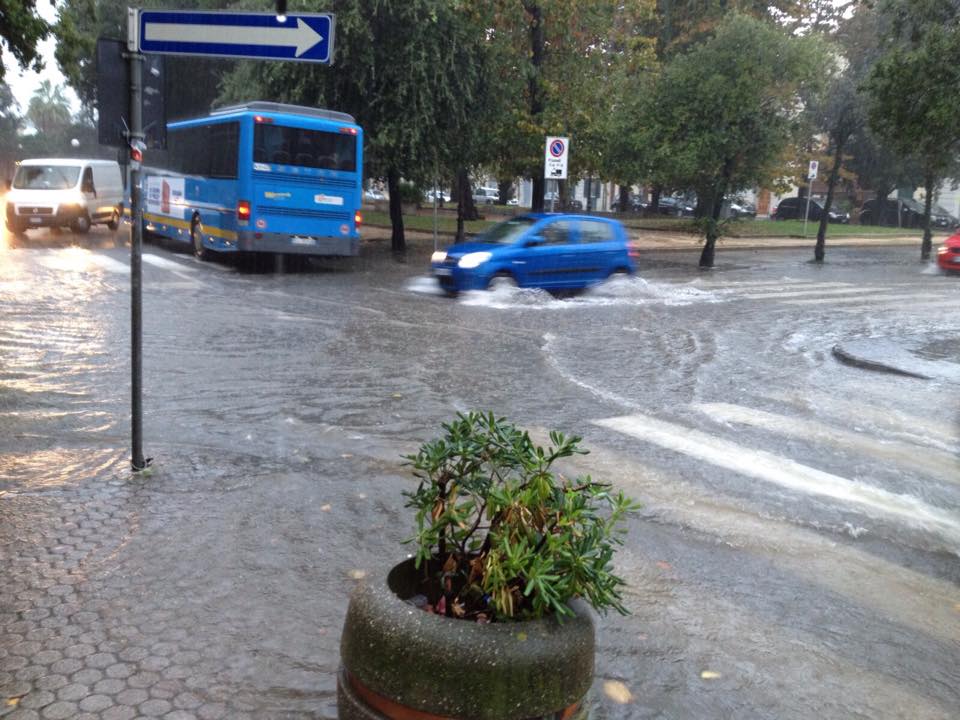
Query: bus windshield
305	148
46	177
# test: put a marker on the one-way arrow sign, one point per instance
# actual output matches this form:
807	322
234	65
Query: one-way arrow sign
304	37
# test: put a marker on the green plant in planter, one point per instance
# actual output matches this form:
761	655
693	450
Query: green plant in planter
500	536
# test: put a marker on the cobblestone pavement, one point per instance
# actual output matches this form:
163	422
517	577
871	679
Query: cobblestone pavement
170	596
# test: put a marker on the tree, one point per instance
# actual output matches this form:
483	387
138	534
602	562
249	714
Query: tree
48	111
723	112
21	29
10	124
915	90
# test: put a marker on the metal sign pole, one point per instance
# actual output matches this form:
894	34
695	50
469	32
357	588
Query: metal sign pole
807	213
135	138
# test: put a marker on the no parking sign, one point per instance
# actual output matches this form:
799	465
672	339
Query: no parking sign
555	158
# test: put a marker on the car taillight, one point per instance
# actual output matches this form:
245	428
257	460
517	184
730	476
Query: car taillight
357	218
243	211
633	250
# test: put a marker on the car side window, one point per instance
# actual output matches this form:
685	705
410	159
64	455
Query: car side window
593	231
559	232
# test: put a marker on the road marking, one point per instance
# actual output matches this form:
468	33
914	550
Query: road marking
785	472
763	283
162	262
854	413
821	292
862	300
109	264
924	305
937	464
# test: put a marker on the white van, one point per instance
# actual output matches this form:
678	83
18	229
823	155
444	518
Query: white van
55	192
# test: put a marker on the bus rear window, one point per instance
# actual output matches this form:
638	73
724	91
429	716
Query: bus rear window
306	148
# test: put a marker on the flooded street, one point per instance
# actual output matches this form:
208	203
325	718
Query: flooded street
797	556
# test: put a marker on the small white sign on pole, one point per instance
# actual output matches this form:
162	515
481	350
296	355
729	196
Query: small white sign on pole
812	170
555	158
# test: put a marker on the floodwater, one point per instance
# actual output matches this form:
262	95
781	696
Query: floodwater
798	553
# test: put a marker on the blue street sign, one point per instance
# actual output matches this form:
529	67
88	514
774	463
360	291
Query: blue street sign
303	37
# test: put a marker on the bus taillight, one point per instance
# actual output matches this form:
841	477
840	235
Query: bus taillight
243	211
357	219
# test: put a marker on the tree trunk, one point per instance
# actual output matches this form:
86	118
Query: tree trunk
535	87
397	241
465	204
654	207
819	250
927	245
720	191
624	200
505	188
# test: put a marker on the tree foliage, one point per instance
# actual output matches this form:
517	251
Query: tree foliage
915	90
48	111
722	113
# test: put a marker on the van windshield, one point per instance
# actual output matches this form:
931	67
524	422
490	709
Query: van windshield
46	177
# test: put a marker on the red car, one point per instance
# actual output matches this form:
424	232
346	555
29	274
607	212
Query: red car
948	254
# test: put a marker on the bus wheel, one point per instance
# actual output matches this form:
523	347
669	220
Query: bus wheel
196	237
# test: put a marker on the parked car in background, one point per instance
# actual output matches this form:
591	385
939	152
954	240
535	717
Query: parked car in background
486	196
891	212
537	250
941	218
373	195
793	209
441	195
739	208
676	206
948	254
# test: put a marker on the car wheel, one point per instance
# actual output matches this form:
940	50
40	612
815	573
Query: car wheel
196	238
114	221
502	281
81	225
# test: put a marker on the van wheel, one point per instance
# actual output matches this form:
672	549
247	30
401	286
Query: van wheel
501	281
81	225
196	237
114	221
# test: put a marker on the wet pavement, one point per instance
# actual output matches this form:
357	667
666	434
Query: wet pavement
797	554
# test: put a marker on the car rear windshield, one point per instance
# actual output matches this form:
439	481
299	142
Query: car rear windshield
507	231
305	148
46	177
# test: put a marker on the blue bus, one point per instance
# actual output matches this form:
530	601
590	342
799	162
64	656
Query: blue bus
259	177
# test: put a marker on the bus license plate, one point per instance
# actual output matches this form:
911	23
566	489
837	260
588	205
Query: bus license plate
301	240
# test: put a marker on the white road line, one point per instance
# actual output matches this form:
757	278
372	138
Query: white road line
854	413
925	305
760	283
862	300
109	264
905	455
162	262
821	292
787	473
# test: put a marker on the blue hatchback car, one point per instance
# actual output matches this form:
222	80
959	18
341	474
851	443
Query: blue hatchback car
553	252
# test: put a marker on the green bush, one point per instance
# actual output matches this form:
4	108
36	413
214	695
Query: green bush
501	536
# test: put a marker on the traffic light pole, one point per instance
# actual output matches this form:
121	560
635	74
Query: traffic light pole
136	145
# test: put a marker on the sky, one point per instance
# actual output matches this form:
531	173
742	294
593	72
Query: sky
23	84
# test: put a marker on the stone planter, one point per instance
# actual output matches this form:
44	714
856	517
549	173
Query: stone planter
400	662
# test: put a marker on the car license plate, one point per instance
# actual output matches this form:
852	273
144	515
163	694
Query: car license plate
443	271
36	220
301	240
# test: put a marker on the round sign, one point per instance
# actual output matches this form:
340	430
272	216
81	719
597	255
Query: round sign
344	229
261	223
556	148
